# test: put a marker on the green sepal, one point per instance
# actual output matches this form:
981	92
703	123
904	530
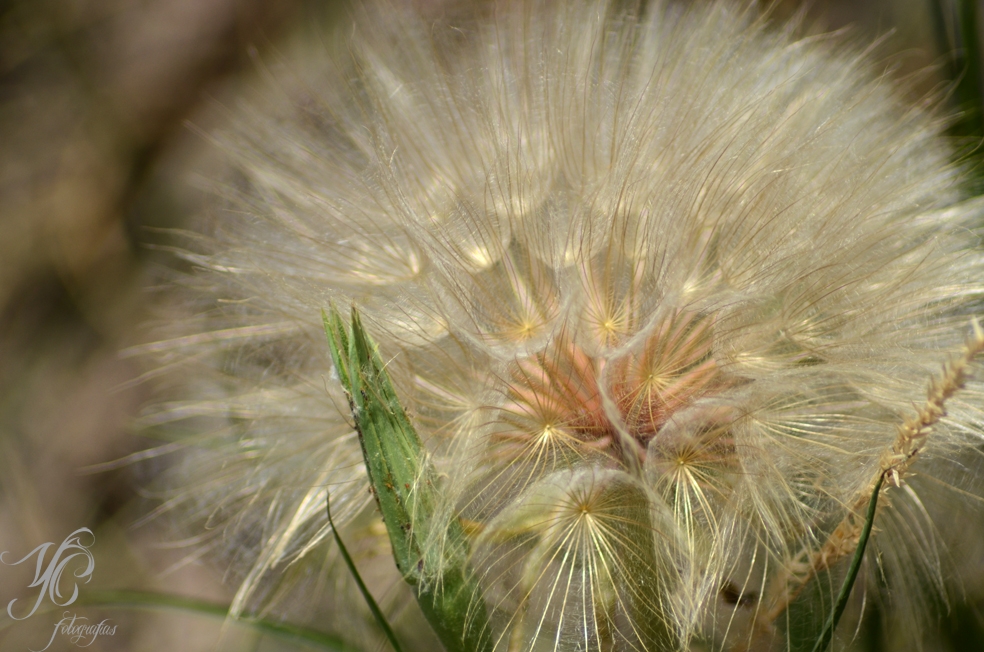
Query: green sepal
405	487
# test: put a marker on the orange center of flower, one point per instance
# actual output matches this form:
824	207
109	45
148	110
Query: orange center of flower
565	401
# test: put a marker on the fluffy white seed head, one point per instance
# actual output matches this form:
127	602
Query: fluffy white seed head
658	289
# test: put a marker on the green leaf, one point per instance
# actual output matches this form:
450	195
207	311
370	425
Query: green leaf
405	487
955	24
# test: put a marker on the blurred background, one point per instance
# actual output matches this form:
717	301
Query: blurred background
103	104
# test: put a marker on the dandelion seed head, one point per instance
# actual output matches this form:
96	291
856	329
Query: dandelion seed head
658	288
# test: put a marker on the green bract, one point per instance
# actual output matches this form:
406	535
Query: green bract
405	485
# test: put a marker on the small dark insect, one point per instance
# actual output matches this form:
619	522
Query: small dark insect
733	595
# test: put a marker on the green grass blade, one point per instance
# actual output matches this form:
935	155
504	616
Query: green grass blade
282	631
852	573
373	607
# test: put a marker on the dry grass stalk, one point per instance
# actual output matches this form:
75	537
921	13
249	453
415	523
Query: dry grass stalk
895	463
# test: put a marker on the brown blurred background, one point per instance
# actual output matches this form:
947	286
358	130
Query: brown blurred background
96	152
